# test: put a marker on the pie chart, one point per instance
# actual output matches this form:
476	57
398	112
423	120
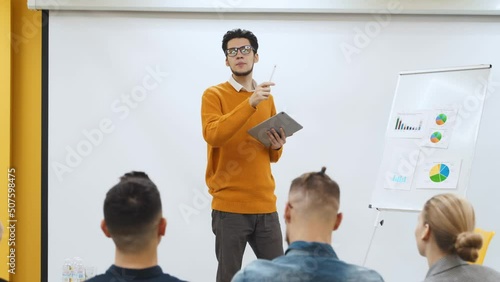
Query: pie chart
436	137
441	119
439	173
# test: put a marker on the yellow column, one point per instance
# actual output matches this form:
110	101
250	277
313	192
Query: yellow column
5	128
26	31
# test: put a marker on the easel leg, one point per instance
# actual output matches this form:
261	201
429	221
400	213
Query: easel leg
377	222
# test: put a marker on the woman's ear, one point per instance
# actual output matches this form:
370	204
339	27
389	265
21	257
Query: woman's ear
426	232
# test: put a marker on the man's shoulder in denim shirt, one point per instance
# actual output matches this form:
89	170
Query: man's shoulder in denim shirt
306	261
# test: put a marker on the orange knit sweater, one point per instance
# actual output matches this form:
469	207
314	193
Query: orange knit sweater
238	172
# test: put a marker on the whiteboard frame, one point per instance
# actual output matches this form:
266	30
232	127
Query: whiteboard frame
421	7
474	67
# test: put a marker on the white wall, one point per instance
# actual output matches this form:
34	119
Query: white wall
97	57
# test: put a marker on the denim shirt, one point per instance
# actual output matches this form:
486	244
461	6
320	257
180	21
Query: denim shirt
306	261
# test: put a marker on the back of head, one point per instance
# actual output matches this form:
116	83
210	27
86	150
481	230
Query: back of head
316	195
132	211
451	220
240	33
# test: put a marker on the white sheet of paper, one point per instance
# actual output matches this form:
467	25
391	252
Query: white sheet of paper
399	175
442	118
438	174
437	138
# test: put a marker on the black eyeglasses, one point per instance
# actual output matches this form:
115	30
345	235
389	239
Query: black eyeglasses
245	50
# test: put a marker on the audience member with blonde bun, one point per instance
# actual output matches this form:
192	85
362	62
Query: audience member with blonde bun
445	236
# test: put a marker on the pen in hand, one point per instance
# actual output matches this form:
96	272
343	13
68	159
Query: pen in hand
272	74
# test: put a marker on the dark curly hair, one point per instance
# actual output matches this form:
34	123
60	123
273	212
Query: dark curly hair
240	33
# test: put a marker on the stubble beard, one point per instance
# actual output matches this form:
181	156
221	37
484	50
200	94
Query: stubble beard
242	73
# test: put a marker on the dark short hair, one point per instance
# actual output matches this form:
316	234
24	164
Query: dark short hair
132	204
240	33
317	183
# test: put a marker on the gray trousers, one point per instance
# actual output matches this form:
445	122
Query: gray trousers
233	231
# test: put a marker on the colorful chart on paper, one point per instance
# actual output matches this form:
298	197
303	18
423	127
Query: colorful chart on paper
441	119
439	173
436	137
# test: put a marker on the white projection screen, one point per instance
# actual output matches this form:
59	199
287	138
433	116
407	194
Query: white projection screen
125	94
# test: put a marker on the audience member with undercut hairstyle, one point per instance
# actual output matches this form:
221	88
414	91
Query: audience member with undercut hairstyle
133	219
445	236
311	215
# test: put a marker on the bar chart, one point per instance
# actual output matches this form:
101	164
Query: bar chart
407	125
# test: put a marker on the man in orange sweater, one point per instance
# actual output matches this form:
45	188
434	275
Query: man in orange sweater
238	172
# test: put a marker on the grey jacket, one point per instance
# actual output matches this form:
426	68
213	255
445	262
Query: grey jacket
453	269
